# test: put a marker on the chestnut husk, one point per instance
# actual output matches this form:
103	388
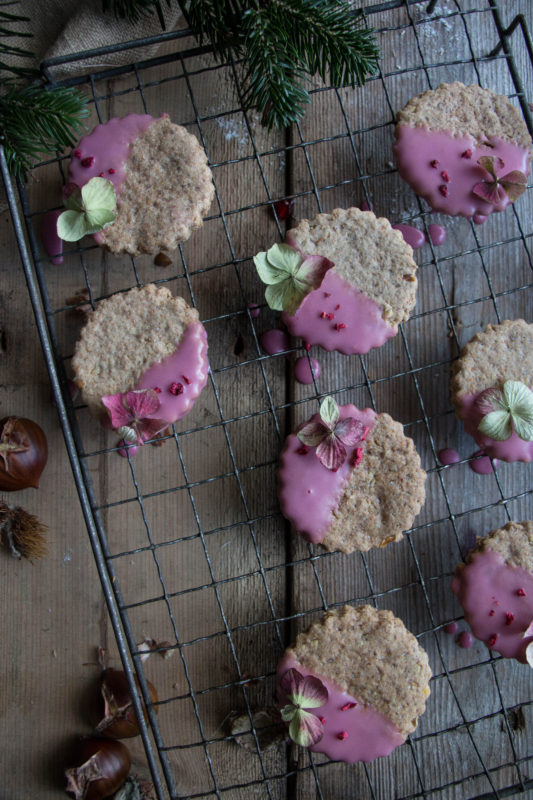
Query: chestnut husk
23	453
116	714
102	766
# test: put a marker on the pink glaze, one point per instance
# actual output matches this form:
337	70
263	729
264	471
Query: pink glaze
455	176
489	584
411	235
354	325
359	733
308	492
483	465
51	241
187	366
275	341
302	370
254	310
465	639
479	219
437	234
451	628
124	451
448	457
513	449
366	206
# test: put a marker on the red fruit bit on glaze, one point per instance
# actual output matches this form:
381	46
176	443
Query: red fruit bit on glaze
434	163
284	208
443	189
358	457
445	177
76	153
175	388
323	315
466	153
322	720
521	592
307	346
365	434
491	612
493	638
348	706
303	450
342	735
337	306
327	294
185	378
340	326
111	171
330	316
157	390
101	175
87	162
508	617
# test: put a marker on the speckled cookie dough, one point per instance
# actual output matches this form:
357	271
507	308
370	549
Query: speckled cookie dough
441	134
368	292
131	334
495	588
160	173
377	677
498	354
368	502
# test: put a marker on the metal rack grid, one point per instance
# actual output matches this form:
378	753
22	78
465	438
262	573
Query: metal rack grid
419	768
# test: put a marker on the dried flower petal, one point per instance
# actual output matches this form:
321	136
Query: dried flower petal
289	275
497	425
130	415
329	411
331	452
349	431
305	729
513	410
490	400
495	189
308	692
312	433
492	193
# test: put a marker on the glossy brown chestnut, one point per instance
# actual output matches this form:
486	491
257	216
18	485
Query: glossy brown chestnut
101	767
116	714
23	453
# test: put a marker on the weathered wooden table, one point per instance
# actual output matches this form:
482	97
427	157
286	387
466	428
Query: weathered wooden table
202	557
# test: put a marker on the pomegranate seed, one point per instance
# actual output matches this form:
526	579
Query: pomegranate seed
323	315
111	171
491	612
508	617
521	592
492	639
434	163
322	720
87	162
284	208
467	154
303	450
342	735
157	390
176	388
77	153
348	706
330	316
185	378
340	326
307	346
444	175
101	175
443	189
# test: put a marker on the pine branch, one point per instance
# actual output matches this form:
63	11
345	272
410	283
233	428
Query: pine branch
6	19
34	121
135	10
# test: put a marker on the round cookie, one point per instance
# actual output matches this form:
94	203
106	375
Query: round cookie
363	677
440	136
160	176
367	288
367	501
144	340
495	589
496	360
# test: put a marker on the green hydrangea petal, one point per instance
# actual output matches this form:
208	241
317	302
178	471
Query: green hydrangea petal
496	425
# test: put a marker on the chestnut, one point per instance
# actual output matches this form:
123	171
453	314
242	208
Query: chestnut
102	766
115	710
23	453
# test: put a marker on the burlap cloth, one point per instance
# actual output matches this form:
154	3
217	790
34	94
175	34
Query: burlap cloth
61	27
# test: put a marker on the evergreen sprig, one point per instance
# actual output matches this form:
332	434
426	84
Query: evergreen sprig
15	70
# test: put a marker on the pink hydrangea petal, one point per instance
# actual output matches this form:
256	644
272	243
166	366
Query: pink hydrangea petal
118	413
313	433
349	430
514	184
313	692
487	163
313	268
490	400
149	428
331	453
142	403
490	192
291	681
305	729
291	240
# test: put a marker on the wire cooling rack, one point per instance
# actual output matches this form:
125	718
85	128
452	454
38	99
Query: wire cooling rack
188	539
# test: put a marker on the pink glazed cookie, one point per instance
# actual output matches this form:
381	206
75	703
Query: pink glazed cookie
494	375
161	179
443	140
141	348
353	685
369	499
367	289
495	589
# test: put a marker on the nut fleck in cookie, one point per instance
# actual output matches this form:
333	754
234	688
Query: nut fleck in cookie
491	390
142	355
344	280
495	589
350	479
353	685
464	149
160	175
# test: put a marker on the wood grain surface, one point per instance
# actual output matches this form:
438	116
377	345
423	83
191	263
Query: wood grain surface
202	557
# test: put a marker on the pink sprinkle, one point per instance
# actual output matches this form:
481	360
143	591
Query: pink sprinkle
77	153
327	294
467	154
348	706
322	720
330	316
303	450
491	612
342	735
307	346
444	175
365	434
185	378
443	189
434	163
157	390
337	306
508	617
521	592
111	171
358	457
87	162
451	627
493	639
101	175
176	388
